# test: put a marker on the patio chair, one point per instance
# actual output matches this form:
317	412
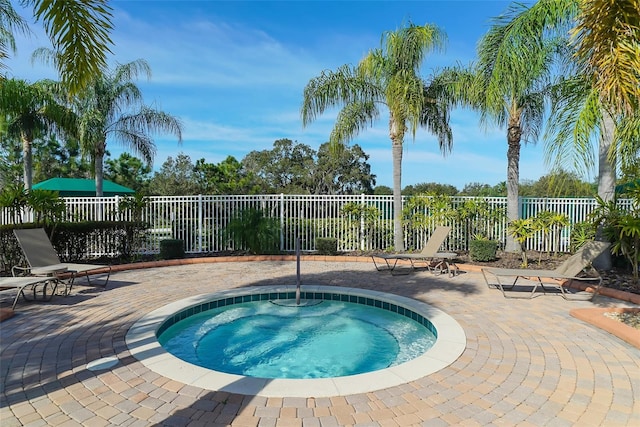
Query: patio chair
44	261
556	279
428	255
34	283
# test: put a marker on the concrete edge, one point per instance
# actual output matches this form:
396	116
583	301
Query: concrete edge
596	317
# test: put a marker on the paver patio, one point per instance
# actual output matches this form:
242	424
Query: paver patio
527	362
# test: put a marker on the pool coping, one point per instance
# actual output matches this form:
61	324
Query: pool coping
144	346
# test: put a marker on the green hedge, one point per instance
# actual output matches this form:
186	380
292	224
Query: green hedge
326	246
483	250
119	239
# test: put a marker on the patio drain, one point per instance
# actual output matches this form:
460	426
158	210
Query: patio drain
104	363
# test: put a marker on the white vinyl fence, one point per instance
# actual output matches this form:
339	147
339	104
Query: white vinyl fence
358	222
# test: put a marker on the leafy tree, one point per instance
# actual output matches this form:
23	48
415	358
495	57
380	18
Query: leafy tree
387	76
111	106
383	190
31	111
78	30
287	168
129	171
562	184
342	170
175	178
477	189
430	187
226	177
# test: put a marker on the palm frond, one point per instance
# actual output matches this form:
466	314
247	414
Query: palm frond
80	32
132	130
10	22
351	120
607	38
335	88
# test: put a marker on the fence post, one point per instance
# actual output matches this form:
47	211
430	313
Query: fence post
199	222
362	222
281	221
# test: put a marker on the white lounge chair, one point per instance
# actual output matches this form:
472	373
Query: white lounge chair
32	283
544	279
428	255
44	261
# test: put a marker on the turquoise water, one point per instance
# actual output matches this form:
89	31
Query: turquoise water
265	340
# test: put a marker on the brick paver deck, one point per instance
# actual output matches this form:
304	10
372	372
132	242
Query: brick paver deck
527	362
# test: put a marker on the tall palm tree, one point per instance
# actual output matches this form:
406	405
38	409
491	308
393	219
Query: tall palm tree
31	111
387	77
508	87
79	30
111	106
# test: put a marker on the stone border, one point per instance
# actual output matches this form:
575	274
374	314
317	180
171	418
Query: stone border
596	317
144	346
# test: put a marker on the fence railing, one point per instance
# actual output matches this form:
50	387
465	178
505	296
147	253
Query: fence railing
200	220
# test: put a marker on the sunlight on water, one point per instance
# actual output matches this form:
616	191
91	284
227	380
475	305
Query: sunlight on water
330	339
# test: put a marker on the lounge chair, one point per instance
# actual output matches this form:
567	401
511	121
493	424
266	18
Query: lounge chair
35	284
428	255
44	261
544	279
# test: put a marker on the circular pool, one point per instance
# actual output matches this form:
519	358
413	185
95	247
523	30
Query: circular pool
406	364
319	338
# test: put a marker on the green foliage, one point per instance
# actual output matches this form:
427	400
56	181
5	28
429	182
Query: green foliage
477	189
622	228
47	206
226	177
132	206
581	233
171	248
483	250
71	239
14	198
327	246
430	188
128	171
479	218
521	230
252	231
550	224
357	213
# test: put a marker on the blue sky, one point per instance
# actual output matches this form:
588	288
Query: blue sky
234	73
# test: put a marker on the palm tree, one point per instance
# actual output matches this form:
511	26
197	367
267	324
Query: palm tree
79	30
508	87
111	106
31	111
607	37
385	78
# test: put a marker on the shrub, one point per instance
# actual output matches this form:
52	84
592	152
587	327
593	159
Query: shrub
326	246
483	250
253	231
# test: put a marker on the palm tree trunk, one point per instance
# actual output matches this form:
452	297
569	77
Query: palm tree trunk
514	134
606	171
99	170
606	182
27	157
396	153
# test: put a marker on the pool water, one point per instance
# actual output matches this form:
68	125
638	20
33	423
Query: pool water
266	340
